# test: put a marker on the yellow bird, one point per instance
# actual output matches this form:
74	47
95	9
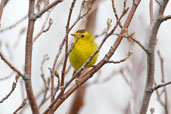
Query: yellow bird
85	46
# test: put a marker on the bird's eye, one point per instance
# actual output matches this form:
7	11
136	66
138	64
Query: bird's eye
82	36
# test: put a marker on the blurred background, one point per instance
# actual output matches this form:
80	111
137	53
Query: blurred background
114	89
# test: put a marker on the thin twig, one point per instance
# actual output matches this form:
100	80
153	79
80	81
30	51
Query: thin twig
56	74
52	71
127	109
115	13
163	81
48	7
6	77
137	42
42	30
6	97
165	18
1	9
122	60
101	34
12	89
161	85
158	2
124	4
73	45
124	77
108	78
162	66
45	93
106	30
21	106
15	24
130	37
41	92
45	58
11	66
80	16
159	95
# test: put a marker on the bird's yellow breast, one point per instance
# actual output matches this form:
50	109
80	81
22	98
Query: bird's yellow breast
82	52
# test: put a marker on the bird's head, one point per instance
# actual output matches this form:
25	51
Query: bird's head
83	35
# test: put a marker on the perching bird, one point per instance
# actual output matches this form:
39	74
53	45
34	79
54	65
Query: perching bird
85	46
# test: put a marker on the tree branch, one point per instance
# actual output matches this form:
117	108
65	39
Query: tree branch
165	18
161	85
150	58
15	24
39	14
1	9
163	81
151	12
42	30
12	89
122	60
28	59
21	106
66	41
130	37
11	66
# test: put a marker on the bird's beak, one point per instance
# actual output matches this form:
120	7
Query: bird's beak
72	34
